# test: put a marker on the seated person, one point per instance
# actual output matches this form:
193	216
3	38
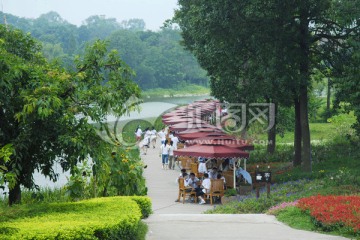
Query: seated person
202	166
219	176
192	181
183	170
213	173
205	188
183	175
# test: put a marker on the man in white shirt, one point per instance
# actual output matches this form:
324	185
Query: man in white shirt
192	182
205	188
175	141
162	135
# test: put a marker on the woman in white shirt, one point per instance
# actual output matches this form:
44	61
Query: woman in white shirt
138	134
164	153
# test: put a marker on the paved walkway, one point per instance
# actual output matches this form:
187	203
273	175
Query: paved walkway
172	221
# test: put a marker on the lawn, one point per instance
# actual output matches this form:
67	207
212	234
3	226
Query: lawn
336	171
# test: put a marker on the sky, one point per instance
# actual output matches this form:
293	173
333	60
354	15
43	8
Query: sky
153	12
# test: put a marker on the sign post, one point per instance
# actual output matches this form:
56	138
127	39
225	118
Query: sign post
262	177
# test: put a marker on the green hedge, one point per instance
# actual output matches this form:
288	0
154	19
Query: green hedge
100	218
144	204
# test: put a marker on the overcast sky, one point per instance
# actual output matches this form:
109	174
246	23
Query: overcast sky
153	12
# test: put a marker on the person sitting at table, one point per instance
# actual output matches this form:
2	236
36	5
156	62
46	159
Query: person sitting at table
220	176
202	165
213	173
183	175
192	181
205	188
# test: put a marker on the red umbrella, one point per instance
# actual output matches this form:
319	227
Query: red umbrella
211	151
183	126
191	136
173	120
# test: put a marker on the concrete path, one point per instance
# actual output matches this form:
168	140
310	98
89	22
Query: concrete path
171	220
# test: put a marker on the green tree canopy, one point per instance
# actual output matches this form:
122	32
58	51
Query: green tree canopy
268	49
45	111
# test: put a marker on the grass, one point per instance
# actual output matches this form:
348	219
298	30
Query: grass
336	171
319	132
295	218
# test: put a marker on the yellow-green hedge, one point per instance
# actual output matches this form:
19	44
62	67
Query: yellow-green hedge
100	218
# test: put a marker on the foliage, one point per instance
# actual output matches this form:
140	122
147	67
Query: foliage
183	90
120	173
144	204
157	57
278	208
76	186
230	192
48	110
42	195
100	218
347	79
343	123
273	45
333	211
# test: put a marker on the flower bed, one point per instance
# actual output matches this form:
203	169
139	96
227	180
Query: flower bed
330	212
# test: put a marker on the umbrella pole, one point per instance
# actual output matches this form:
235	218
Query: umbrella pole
234	173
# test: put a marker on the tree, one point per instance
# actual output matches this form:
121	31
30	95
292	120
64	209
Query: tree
45	111
282	42
133	24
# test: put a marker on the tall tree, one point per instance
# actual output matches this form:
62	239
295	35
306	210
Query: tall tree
282	41
45	111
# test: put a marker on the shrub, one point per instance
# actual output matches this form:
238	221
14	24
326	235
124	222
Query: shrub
144	204
99	218
230	192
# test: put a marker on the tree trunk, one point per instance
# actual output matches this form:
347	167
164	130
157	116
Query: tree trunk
328	98
305	131
304	66
15	195
272	134
297	135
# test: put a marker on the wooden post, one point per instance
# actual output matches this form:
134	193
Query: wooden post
234	175
257	184
268	185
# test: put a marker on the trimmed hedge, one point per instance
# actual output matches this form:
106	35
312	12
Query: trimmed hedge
144	204
100	218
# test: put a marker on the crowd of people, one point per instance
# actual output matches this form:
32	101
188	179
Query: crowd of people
169	143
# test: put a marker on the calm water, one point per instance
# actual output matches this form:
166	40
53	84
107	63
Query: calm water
152	107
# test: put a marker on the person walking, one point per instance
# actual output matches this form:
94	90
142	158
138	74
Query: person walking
171	156
164	153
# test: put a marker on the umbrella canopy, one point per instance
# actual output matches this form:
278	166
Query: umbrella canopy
189	125
245	174
211	151
227	140
174	120
211	140
191	136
